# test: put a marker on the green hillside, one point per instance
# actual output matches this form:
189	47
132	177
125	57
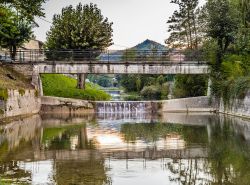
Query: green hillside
63	86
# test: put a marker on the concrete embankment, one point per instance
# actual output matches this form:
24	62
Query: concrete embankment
194	104
27	102
237	107
20	102
72	106
65	106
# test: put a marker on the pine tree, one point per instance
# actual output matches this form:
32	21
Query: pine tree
183	25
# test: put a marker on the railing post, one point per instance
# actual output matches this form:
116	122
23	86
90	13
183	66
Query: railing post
71	57
108	56
126	56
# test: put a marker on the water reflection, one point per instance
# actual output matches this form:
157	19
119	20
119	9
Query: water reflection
102	149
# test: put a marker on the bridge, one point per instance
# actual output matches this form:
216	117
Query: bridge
83	62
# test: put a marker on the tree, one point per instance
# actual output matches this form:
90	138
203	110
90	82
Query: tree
13	31
151	92
27	9
83	27
190	86
183	24
222	24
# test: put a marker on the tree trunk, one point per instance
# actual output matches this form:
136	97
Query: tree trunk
195	32
190	31
219	53
81	81
13	52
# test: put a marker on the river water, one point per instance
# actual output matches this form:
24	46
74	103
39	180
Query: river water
125	149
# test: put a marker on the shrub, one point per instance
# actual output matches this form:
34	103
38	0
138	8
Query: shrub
151	92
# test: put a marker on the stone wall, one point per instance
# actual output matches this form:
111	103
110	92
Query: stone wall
20	103
238	107
194	104
66	106
25	69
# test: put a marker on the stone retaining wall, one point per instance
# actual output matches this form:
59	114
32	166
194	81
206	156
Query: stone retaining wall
66	105
20	103
194	104
237	108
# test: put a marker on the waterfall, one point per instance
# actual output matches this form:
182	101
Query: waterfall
123	110
122	107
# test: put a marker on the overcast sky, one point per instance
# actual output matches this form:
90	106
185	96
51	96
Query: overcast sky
134	20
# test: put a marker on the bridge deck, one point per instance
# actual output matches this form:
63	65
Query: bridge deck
111	62
121	68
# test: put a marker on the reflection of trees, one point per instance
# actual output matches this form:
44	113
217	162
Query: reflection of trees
10	172
188	171
154	131
229	155
87	171
59	137
150	132
228	159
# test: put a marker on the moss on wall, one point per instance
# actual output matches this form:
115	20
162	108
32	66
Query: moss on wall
21	92
3	94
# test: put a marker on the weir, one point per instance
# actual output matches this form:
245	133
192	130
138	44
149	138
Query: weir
122	107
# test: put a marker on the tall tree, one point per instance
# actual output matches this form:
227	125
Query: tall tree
222	25
183	24
26	8
13	31
83	27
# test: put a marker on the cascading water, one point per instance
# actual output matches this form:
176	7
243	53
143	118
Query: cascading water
123	110
121	107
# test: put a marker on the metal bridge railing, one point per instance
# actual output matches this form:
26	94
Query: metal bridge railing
24	56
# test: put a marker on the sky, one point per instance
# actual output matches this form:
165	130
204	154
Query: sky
134	20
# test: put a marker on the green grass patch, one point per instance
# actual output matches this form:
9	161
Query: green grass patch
51	133
63	86
3	94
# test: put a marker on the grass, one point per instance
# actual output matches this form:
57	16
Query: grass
63	86
10	79
50	133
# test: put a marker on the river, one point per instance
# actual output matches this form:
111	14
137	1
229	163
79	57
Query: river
125	149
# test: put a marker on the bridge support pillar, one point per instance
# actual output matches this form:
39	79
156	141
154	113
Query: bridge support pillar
81	81
209	87
37	82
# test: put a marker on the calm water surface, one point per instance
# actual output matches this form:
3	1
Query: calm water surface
125	149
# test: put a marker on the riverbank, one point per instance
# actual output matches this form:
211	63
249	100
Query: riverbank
237	107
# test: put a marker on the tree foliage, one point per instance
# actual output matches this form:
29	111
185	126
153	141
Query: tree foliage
27	9
83	27
190	86
13	31
183	24
221	25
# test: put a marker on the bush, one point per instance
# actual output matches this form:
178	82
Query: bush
164	91
190	86
151	92
132	98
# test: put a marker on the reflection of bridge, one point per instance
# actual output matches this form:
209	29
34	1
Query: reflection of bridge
85	155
